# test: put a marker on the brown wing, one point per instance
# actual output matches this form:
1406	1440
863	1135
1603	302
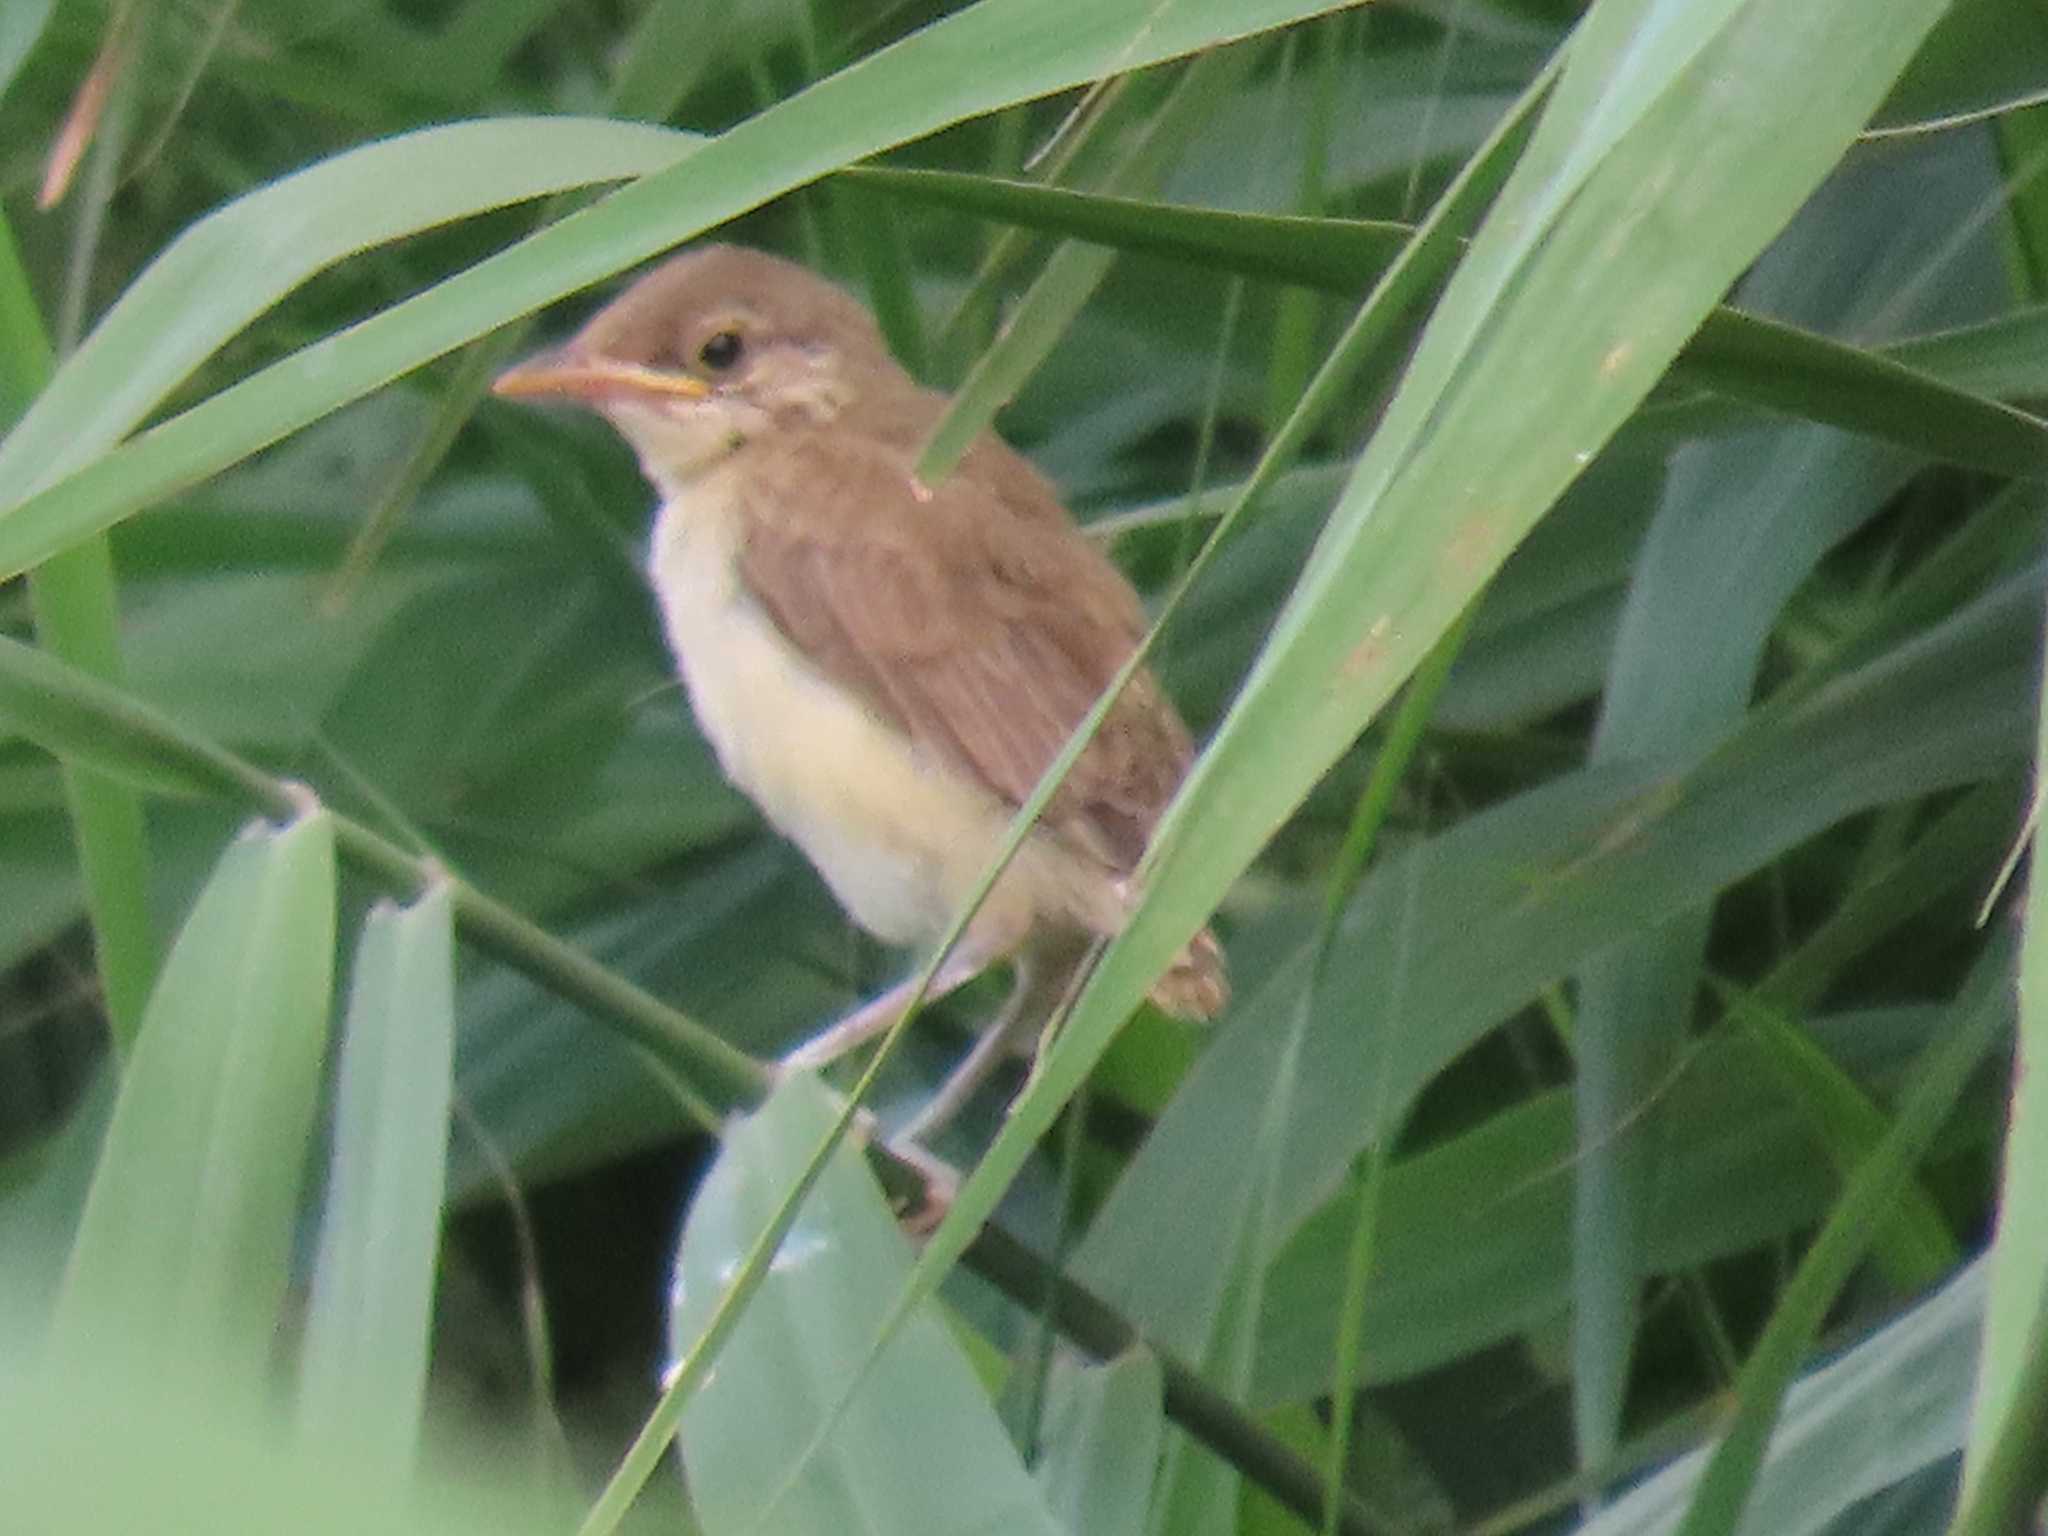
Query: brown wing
984	634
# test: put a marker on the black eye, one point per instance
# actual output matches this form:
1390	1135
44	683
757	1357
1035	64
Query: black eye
721	351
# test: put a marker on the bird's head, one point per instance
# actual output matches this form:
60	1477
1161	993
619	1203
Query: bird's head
709	351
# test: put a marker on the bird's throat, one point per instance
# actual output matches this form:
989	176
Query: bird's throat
680	449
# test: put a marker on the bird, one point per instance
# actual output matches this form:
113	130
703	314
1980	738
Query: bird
884	667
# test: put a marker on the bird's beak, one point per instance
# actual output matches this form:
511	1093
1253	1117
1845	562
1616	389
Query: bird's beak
570	375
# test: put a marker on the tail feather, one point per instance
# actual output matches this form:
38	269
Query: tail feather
1195	986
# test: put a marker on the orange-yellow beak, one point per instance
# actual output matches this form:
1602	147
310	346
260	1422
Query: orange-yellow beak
569	375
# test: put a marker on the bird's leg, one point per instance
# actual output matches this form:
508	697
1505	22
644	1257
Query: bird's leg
980	1060
1061	1007
1045	974
876	1015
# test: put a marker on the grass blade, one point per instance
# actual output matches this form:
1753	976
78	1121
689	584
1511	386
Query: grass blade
2018	1301
884	100
1890	1407
198	293
186	1238
1550	309
76	613
919	1449
1102	1433
363	1362
1981	1014
1932	395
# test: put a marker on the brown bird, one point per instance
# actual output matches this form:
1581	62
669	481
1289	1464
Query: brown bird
884	667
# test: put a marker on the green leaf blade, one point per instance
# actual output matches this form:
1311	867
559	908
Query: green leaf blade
363	1364
919	1448
187	1231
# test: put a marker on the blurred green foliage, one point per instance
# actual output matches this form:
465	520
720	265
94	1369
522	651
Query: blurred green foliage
1676	901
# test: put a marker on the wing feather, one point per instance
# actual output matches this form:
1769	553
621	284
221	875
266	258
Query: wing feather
983	631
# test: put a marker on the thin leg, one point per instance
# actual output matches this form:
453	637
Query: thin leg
1060	1005
993	1045
1044	976
941	1180
876	1015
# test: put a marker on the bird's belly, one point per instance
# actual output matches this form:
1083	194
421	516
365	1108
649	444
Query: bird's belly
897	838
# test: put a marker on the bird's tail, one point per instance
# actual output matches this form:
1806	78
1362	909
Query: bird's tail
1196	985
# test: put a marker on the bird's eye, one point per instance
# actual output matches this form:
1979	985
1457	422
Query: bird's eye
721	351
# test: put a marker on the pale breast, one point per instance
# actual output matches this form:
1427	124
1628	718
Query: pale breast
898	841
